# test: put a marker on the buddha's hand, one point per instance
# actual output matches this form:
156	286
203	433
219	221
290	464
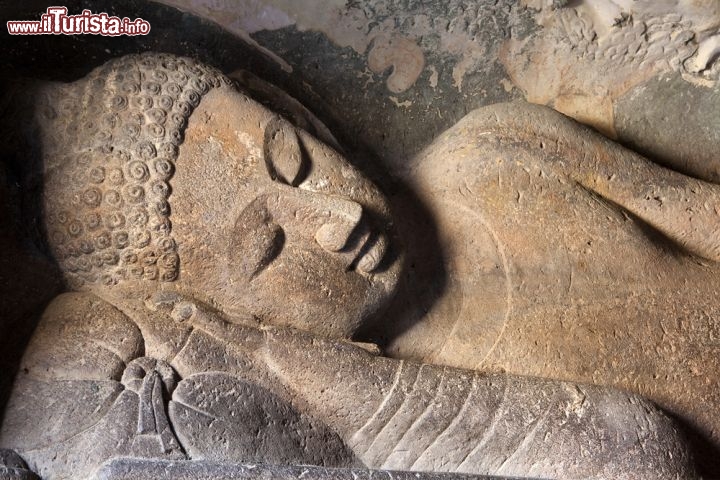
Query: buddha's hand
195	318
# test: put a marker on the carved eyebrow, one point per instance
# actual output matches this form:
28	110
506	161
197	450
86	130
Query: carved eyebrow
283	152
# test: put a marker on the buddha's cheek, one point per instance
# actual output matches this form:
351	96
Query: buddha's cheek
309	289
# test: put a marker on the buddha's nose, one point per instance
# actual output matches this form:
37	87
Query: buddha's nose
336	224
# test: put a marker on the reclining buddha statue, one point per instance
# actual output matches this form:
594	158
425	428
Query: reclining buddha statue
218	262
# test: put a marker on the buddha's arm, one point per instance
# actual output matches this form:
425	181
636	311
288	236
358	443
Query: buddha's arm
407	416
684	209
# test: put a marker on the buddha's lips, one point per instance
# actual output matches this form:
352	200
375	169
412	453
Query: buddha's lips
369	254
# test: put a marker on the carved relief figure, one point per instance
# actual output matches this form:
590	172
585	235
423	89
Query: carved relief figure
219	260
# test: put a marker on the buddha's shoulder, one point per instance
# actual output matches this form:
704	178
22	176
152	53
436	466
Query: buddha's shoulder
506	139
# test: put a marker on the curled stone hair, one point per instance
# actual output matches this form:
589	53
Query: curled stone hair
110	142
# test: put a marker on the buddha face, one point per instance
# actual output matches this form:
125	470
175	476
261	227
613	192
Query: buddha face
270	221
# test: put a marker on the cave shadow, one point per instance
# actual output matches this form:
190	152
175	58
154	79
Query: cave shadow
706	454
29	279
423	277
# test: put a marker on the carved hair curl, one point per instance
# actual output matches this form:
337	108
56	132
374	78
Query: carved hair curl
110	142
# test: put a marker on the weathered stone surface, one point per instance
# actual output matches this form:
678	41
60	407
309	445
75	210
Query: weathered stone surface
572	58
143	470
12	467
586	262
250	424
224	257
648	121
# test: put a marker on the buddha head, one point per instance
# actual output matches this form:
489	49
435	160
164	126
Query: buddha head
160	175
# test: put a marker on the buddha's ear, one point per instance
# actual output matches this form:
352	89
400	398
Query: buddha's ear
284	155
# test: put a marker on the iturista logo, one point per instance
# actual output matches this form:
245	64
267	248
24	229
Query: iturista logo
56	21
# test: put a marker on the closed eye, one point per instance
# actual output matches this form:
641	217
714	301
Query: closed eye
284	154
